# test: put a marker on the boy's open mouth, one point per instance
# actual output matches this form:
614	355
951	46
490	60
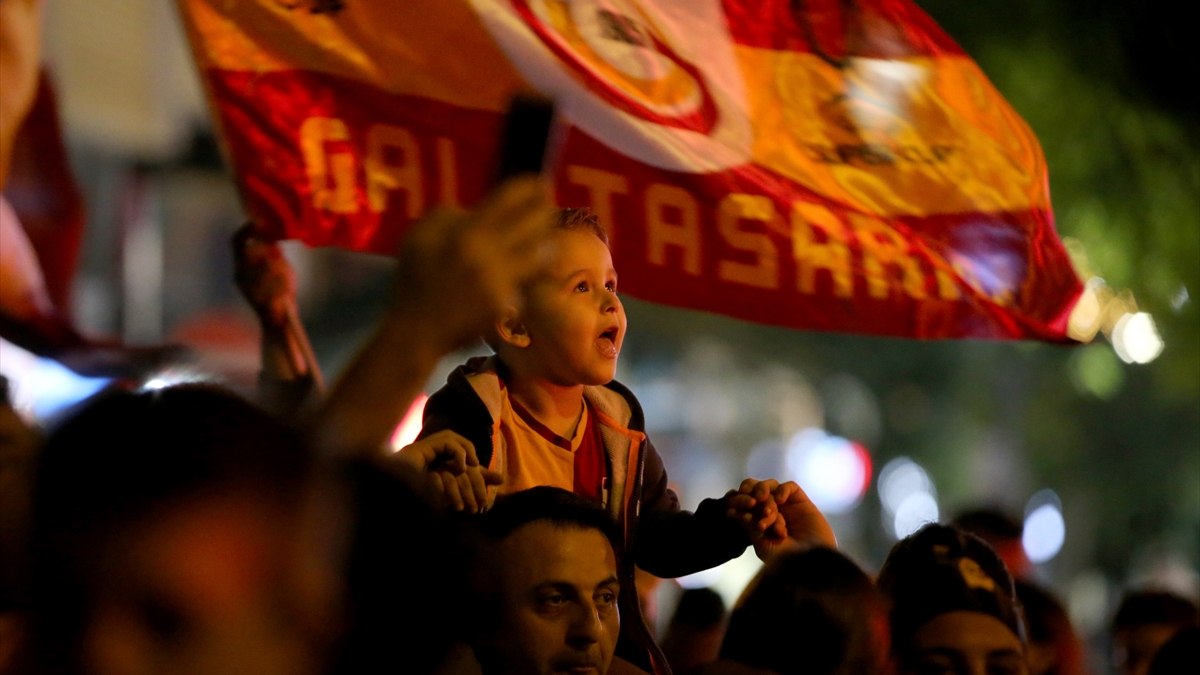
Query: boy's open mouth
608	341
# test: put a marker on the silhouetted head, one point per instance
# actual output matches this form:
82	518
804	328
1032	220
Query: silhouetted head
951	600
809	611
1145	619
166	521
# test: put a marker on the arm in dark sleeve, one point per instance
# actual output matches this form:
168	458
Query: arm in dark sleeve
671	542
456	407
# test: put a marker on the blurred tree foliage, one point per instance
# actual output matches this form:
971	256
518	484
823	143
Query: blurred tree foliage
1109	89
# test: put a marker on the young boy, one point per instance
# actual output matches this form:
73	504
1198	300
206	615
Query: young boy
545	410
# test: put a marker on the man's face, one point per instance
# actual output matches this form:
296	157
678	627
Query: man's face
966	643
558	588
574	319
214	584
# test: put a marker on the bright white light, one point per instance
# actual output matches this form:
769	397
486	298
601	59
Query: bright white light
728	579
41	387
916	510
407	430
701	579
172	377
899	479
1044	533
833	471
1135	338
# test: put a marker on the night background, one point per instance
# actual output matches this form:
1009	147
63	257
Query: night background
1108	87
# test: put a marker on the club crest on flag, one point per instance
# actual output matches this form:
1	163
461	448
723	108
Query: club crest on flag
621	74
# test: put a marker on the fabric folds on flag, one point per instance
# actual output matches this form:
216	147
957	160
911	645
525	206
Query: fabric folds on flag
818	165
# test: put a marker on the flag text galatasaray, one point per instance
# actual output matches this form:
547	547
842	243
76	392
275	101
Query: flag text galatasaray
845	255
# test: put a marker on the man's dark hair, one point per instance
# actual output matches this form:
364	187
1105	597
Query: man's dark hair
1148	606
546	503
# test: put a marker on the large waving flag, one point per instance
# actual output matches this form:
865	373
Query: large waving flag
821	165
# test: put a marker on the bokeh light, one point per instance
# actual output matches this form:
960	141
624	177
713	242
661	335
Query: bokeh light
1095	370
908	497
39	388
835	472
916	510
1135	338
1045	530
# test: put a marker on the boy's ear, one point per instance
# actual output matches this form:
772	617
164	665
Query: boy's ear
511	330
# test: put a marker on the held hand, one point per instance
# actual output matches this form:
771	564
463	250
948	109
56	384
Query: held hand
753	505
779	516
800	522
453	468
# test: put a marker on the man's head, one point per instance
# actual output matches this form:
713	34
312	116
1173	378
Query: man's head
551	578
1144	621
570	325
953	607
168	531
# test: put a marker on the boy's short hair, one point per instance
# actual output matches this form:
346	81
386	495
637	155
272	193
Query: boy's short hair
580	218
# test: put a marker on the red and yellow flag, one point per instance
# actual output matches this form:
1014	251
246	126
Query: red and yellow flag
795	164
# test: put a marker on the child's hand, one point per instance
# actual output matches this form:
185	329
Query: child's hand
453	468
753	505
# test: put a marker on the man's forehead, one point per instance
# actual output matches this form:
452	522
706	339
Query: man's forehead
543	546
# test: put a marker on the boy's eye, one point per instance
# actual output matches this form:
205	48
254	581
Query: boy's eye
582	287
611	287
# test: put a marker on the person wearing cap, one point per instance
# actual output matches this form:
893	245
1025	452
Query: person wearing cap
952	606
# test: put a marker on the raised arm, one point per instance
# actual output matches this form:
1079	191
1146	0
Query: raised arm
455	272
290	374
